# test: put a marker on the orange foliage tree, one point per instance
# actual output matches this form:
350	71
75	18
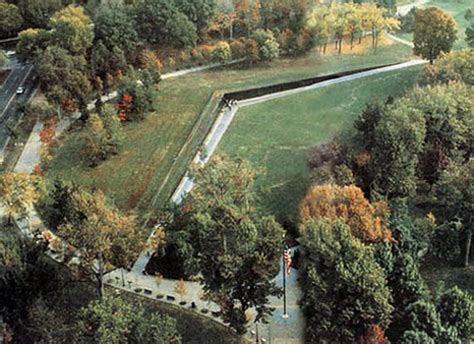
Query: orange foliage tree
367	221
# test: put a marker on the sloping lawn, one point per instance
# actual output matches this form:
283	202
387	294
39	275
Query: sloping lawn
277	135
132	178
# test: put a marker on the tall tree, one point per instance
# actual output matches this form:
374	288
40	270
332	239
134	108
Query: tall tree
64	76
10	19
399	137
103	238
335	203
113	320
200	12
160	22
454	199
345	290
72	30
235	248
36	13
435	32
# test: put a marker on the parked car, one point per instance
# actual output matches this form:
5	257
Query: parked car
20	90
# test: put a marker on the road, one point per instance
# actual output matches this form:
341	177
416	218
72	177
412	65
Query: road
404	9
20	74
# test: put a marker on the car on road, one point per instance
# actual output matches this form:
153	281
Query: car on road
10	52
20	90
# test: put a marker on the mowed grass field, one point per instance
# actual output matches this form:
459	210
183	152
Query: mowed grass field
132	178
277	135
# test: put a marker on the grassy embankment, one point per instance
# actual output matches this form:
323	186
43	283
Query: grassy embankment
277	135
132	178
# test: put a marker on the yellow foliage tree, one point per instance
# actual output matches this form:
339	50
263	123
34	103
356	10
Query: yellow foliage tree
18	193
332	202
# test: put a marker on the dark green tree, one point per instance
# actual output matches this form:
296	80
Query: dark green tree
161	22
200	12
36	13
113	320
236	248
416	337
454	200
456	309
398	140
345	289
10	19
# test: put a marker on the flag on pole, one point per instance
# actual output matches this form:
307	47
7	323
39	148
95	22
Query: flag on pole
287	260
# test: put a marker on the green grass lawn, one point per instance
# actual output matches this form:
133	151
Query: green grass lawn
132	178
278	134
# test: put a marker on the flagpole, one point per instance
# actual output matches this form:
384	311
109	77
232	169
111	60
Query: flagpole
285	315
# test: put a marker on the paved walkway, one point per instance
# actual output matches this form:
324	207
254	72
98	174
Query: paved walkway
404	9
279	329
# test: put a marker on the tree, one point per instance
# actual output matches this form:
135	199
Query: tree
72	30
18	193
138	93
103	238
160	22
454	199
95	146
435	32
11	252
113	320
345	291
449	113
421	316
453	66
335	203
32	44
36	13
113	128
221	52
456	309
114	28
64	76
399	137
376	20
10	19
235	248
268	47
200	12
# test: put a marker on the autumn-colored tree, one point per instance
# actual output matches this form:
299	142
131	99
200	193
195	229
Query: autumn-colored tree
125	106
374	335
48	133
103	238
366	221
72	30
435	32
18	193
453	66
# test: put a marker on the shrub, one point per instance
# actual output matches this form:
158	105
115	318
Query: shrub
456	310
445	242
221	52
268	47
206	51
251	51
238	49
